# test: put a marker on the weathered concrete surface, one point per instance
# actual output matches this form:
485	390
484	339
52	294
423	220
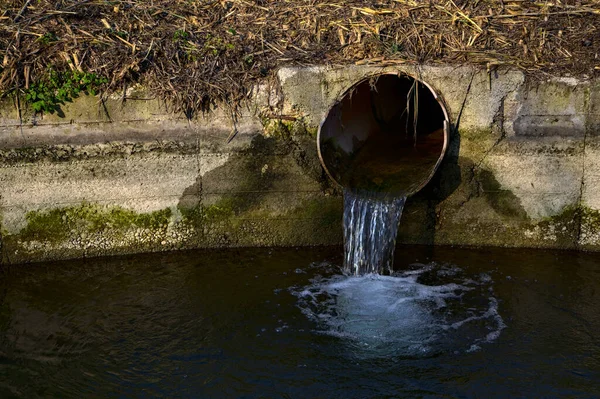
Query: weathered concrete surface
557	108
126	175
104	187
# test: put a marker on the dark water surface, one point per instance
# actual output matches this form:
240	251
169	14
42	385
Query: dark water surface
488	323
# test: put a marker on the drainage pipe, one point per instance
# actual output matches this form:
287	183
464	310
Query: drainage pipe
387	134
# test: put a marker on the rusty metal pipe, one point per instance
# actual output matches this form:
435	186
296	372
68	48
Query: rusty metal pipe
388	134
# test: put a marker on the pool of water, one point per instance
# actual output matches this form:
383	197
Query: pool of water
260	323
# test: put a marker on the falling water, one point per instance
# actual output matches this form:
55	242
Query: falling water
370	228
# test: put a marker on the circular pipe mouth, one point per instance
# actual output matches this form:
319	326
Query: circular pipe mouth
387	134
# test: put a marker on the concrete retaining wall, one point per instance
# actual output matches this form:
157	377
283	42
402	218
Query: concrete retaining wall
125	175
139	178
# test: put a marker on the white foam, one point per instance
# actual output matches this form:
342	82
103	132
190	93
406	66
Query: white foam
399	314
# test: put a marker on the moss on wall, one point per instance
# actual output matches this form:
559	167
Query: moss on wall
272	192
284	129
58	224
314	222
93	230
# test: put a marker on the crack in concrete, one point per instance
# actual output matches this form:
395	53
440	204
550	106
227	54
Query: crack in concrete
103	102
199	164
455	130
471	192
464	102
499	121
579	209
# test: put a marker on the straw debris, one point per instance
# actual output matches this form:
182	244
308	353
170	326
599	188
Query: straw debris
195	53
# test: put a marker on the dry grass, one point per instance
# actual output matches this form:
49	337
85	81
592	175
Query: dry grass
195	52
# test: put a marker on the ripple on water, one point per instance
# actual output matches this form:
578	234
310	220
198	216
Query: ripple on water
425	311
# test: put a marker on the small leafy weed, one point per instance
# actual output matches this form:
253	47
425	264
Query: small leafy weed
55	89
216	46
180	35
47	38
249	60
396	48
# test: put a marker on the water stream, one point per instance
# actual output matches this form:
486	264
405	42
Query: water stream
370	228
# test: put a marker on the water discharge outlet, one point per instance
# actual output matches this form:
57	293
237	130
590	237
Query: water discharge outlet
382	142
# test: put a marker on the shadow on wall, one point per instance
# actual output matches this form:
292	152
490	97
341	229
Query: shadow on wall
420	217
457	182
270	193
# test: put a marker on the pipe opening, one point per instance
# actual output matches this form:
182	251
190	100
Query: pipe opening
387	134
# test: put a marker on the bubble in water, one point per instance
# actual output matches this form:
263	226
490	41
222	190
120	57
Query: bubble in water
420	312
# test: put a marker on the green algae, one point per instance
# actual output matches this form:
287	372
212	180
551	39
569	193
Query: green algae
327	209
224	223
56	225
312	131
199	215
285	129
277	128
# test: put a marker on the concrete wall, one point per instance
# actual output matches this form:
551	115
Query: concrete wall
127	175
138	178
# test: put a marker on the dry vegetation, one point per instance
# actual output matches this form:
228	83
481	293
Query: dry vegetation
195	52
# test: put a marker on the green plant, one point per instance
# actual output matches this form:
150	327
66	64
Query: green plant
215	45
47	38
55	89
249	60
180	35
396	48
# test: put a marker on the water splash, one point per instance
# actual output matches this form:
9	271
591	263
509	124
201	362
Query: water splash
370	230
424	311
